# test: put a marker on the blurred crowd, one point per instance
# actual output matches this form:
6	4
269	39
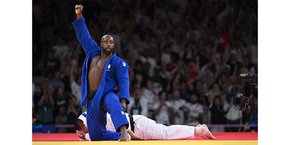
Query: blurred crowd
185	58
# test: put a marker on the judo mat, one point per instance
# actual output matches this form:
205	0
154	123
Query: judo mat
223	138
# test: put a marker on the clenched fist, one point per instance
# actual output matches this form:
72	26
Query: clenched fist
79	11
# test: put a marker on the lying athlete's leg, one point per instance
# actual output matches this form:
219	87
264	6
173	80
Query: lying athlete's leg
149	129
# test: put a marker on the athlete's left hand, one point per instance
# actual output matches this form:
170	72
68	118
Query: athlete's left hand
124	104
81	134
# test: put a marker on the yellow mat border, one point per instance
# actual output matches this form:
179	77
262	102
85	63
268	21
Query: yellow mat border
178	142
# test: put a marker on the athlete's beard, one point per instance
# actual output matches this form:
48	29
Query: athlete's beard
107	52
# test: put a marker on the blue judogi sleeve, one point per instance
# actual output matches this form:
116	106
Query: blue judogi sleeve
84	37
123	80
90	47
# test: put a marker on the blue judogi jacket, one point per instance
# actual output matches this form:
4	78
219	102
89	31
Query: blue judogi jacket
115	72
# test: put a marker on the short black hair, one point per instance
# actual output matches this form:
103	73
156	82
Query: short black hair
78	124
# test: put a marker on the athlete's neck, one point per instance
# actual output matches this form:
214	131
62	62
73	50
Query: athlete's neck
105	54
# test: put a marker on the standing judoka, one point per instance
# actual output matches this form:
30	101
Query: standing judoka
102	72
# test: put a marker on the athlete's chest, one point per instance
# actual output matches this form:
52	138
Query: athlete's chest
98	63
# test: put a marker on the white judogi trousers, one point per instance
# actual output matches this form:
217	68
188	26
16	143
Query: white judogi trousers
148	129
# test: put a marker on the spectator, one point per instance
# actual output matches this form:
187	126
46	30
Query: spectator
73	111
217	113
60	99
212	92
150	94
233	114
46	106
138	104
177	106
60	49
51	63
161	109
75	80
195	111
61	119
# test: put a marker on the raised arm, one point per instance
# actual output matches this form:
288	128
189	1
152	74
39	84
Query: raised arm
82	32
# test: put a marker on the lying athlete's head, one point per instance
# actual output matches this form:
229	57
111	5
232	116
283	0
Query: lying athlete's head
81	123
80	126
107	44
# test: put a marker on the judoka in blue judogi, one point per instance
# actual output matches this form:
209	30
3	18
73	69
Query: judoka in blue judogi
102	73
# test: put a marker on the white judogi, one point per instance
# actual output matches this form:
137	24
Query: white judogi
148	129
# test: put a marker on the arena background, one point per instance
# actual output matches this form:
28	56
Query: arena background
192	50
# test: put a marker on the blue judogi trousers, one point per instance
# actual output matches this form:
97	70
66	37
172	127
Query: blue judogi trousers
97	120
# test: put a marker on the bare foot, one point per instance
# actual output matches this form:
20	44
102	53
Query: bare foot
125	137
204	132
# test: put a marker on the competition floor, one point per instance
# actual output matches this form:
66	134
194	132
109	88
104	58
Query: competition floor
223	138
